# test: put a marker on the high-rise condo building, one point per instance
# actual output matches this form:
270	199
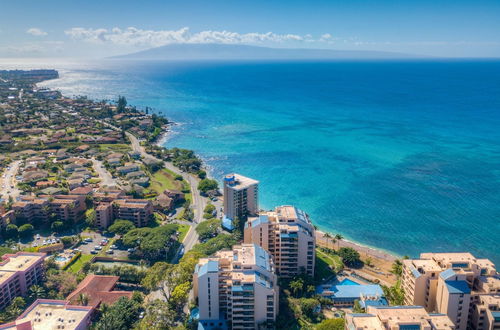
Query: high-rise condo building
459	285
237	289
289	236
240	196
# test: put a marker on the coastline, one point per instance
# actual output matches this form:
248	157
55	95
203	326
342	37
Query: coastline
381	259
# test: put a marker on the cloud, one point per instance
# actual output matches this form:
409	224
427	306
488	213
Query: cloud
36	32
153	38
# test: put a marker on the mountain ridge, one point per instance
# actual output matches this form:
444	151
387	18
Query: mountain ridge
246	52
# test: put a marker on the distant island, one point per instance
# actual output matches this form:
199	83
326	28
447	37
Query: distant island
244	52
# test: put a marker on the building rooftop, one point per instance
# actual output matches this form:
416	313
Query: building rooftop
237	181
99	289
20	261
46	314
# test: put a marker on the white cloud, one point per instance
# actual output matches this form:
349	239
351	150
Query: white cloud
36	32
153	38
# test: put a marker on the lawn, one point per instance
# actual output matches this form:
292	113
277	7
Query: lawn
183	230
77	265
326	265
165	179
331	259
123	148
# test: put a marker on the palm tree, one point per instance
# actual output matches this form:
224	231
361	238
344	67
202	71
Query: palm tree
297	286
339	237
37	292
83	299
327	237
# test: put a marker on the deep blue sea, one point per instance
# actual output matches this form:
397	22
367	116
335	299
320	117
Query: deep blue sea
399	155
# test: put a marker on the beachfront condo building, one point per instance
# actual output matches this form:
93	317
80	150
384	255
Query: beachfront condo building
240	196
459	285
237	289
289	236
17	273
398	317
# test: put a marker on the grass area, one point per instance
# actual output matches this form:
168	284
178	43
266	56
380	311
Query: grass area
326	265
165	179
115	147
94	180
78	264
183	230
332	260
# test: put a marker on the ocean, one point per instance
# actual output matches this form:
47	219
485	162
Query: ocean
398	155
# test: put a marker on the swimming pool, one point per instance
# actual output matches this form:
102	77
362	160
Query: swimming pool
347	281
60	258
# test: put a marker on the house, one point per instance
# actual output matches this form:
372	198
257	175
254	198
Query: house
128	168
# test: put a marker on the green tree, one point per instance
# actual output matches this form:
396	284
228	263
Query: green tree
206	185
331	324
26	230
338	238
350	257
121	104
307	307
37	292
11	231
202	174
357	307
394	294
327	237
397	268
83	299
121	227
207	229
57	226
179	296
210	208
120	316
297	286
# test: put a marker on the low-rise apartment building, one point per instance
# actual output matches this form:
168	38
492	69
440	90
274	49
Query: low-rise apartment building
104	215
237	287
17	273
398	317
288	234
32	209
465	288
139	211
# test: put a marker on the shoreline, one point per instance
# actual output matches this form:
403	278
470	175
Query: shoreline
364	250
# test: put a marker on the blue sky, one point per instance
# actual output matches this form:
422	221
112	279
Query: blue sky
102	28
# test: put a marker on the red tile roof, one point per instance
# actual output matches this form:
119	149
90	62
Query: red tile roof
98	288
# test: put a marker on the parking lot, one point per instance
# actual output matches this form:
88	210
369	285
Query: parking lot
93	243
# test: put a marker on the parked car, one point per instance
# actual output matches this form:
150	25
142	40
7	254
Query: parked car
113	247
109	252
97	247
88	240
93	252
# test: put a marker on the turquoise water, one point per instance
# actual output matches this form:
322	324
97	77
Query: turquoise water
404	156
347	281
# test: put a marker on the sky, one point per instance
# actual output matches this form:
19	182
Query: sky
95	29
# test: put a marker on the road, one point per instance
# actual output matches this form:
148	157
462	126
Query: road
198	203
9	181
104	175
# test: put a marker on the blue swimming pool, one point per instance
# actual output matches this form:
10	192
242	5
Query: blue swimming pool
347	281
60	259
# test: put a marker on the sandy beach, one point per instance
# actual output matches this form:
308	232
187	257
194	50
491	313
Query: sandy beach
381	261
